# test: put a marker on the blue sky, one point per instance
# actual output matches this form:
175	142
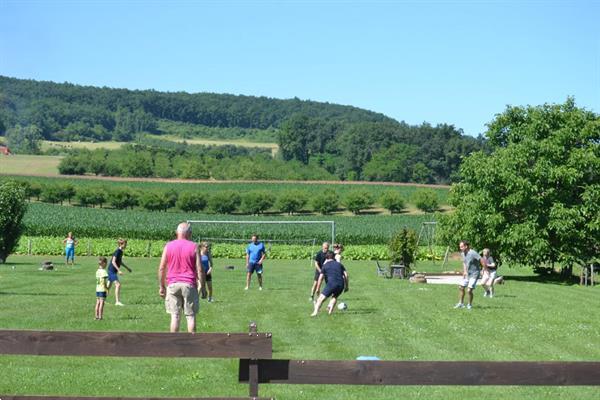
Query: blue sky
456	62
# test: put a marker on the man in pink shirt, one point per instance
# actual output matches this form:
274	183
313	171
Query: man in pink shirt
178	274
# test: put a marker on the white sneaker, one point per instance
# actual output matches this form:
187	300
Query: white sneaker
469	306
459	305
210	299
485	294
311	299
118	303
260	288
246	288
491	295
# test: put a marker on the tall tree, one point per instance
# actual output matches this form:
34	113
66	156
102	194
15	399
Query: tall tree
536	198
24	140
13	206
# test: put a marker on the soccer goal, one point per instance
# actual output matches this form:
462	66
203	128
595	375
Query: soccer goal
282	239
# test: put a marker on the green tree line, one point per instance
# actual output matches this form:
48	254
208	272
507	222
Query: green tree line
252	202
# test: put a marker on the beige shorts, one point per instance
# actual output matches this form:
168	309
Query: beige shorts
181	295
488	277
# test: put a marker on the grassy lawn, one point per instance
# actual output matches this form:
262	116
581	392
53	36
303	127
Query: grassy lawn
389	318
28	164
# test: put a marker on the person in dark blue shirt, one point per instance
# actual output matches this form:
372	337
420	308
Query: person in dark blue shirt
319	260
336	277
114	270
255	255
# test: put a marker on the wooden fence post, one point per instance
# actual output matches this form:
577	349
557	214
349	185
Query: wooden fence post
253	366
89	248
28	247
148	249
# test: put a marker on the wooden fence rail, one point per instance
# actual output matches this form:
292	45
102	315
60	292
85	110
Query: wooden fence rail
424	372
248	346
256	366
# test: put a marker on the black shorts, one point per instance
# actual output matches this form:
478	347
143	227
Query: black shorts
333	291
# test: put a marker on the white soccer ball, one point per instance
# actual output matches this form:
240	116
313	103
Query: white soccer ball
342	306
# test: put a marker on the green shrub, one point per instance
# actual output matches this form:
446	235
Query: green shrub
326	202
122	198
256	202
292	201
425	200
224	202
358	200
403	247
191	202
392	201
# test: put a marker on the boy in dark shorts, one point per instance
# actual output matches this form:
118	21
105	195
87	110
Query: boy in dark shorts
101	286
114	270
337	283
255	255
319	261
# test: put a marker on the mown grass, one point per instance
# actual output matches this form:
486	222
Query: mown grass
18	164
388	318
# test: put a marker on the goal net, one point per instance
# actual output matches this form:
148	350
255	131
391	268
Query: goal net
298	240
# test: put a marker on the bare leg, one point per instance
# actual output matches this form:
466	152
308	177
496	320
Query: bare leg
331	305
101	309
461	295
210	291
259	280
313	289
117	292
248	276
191	323
470	295
318	305
97	309
174	323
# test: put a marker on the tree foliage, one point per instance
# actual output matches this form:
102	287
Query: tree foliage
403	247
536	198
392	201
326	202
358	200
425	200
24	139
13	206
191	201
316	140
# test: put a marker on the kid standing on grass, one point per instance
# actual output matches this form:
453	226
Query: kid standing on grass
101	286
207	266
114	270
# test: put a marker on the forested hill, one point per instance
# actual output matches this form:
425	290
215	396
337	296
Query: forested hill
345	142
53	106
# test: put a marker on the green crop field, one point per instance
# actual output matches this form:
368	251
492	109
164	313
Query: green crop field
528	320
18	164
51	220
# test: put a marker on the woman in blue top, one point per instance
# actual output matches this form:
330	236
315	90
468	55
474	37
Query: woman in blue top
207	266
70	242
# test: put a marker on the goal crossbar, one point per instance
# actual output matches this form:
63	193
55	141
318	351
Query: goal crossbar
330	223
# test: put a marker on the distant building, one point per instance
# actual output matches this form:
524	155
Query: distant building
4	150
